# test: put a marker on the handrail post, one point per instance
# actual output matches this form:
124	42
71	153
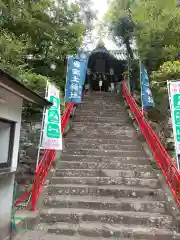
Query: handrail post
34	194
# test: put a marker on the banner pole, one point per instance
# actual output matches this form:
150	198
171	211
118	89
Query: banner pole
128	83
42	124
141	87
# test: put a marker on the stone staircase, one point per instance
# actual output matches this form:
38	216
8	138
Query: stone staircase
104	187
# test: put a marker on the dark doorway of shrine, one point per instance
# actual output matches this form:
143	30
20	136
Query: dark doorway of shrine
104	70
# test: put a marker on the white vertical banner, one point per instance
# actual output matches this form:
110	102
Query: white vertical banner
174	100
52	135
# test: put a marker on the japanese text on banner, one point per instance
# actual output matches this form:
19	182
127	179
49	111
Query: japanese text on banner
75	79
52	137
147	98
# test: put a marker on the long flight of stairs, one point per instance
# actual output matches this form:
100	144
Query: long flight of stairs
104	187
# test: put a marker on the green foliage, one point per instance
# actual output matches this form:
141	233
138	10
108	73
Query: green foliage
37	35
121	24
152	25
156	30
35	82
12	52
35	39
168	71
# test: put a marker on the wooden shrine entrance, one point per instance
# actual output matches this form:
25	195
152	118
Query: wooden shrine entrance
104	70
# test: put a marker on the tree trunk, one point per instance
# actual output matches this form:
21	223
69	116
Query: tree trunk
133	79
127	43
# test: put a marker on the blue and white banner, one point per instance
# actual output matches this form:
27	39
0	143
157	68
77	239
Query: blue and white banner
84	57
76	74
147	98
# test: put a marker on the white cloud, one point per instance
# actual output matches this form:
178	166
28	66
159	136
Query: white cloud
102	7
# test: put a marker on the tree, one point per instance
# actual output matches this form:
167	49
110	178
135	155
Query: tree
51	30
88	15
122	28
121	24
35	38
153	27
157	30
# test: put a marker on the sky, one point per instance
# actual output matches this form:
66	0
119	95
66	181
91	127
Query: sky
102	6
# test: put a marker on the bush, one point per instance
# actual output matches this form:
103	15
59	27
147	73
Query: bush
36	83
168	71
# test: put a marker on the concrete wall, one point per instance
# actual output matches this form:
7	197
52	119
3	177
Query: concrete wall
10	109
6	195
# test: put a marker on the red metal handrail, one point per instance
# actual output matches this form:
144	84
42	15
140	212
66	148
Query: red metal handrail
66	115
45	163
47	160
165	162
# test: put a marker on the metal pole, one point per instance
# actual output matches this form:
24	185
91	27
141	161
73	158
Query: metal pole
141	87
128	83
42	124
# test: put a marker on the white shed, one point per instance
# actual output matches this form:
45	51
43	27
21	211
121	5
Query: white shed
12	94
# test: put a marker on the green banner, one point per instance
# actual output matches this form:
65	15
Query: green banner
52	136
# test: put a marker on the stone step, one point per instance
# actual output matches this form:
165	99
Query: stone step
102	111
123	159
105	173
100	125
96	103
103	165
102	231
119	132
100	94
88	141
105	203
105	153
97	119
114	191
42	234
117	115
100	104
73	215
104	100
102	147
116	98
113	130
102	135
86	108
104	104
150	183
